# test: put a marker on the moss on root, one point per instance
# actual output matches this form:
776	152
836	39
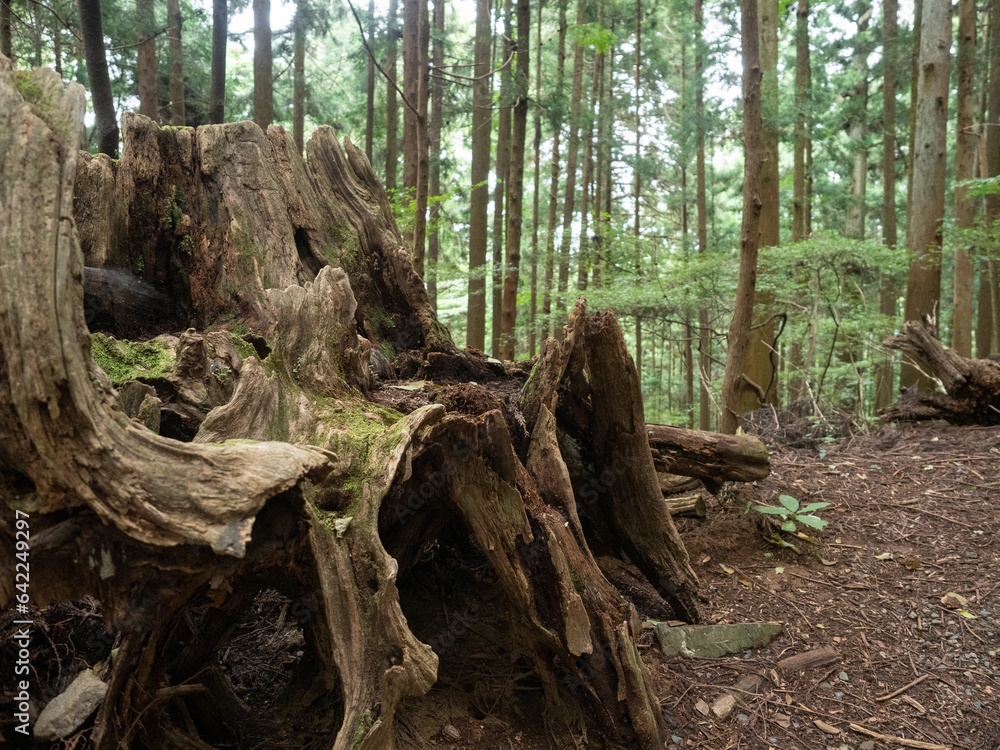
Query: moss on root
131	360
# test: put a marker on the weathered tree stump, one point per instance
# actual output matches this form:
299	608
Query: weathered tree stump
292	479
972	386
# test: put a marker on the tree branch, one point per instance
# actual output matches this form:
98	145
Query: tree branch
371	54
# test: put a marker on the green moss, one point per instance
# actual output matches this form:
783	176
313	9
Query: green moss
27	87
131	360
439	338
361	730
379	317
277	430
243	347
242	239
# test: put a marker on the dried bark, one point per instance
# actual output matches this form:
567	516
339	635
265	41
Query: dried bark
323	510
710	456
972	386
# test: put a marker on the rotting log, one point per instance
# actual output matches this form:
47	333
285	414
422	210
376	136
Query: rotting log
687	505
972	386
710	456
339	501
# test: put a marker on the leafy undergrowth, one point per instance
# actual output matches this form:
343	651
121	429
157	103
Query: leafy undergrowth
914	516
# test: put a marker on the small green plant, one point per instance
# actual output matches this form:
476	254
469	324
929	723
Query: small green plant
792	514
223	372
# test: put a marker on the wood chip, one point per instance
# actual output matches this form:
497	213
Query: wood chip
818	657
823	726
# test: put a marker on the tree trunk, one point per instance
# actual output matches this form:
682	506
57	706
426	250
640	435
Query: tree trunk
704	334
502	176
263	73
146	69
803	101
515	188
6	48
423	143
711	457
337	509
299	84
550	235
637	181
887	294
434	140
759	367
174	23
923	287
993	167
914	79
753	158
536	196
965	156
858	128
572	158
370	101
482	119
411	91
391	105
217	87
97	72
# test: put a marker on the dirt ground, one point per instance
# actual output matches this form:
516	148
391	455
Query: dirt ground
915	515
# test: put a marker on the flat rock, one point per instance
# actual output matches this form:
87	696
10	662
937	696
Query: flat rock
725	703
713	641
818	657
66	712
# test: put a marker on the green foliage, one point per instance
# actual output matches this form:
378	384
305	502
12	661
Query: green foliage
791	514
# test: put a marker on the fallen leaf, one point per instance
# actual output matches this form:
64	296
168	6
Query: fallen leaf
828	728
825	562
884	556
414	386
745	581
727	570
779	571
783	721
966	614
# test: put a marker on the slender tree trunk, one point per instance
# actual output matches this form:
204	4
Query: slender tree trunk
887	289
434	136
502	174
802	101
923	288
263	73
550	235
299	84
370	105
536	197
220	37
423	142
965	155
754	155
637	195
482	118
855	226
608	155
92	31
602	117
572	158
515	189
391	103
588	175
704	335
411	90
992	164
914	76
146	72
758	365
56	42
174	23
5	36
984	313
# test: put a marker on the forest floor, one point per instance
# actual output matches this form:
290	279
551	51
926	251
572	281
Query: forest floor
915	515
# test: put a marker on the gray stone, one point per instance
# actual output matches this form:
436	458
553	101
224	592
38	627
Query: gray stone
868	745
66	712
742	718
677	740
725	703
713	641
843	677
451	733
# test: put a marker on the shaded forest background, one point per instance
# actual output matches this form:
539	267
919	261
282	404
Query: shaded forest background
537	151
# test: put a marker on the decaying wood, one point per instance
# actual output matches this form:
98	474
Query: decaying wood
972	386
818	657
337	503
671	484
692	506
711	456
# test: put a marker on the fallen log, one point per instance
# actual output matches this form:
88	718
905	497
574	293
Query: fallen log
692	506
972	386
710	456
